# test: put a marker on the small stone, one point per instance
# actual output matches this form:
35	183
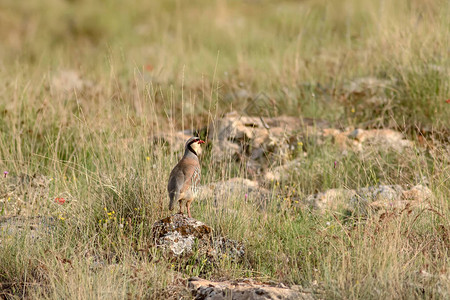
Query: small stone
418	193
66	81
283	172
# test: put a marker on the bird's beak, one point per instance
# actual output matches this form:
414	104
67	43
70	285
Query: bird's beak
201	142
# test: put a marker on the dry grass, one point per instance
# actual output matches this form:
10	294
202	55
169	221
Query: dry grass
153	66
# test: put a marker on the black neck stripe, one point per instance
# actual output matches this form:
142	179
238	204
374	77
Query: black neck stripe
190	149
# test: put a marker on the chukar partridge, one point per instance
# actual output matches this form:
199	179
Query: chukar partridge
185	176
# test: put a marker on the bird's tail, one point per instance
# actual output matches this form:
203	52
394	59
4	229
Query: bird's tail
173	196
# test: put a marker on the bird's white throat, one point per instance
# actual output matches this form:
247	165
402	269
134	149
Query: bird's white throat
197	148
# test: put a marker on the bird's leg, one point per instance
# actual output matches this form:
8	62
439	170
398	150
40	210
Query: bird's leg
181	207
188	206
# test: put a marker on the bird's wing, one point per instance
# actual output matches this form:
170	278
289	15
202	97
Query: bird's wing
176	180
188	172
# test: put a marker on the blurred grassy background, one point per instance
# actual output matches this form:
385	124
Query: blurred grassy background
145	67
301	53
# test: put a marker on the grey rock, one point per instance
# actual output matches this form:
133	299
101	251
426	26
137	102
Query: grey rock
380	138
359	140
246	289
283	172
36	227
257	139
365	196
330	200
367	86
372	198
67	81
179	236
227	247
235	189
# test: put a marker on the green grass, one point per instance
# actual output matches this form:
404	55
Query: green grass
153	66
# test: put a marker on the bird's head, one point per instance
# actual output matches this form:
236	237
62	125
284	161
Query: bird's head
193	145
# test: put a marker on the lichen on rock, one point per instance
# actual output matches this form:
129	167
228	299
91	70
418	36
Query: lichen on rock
180	236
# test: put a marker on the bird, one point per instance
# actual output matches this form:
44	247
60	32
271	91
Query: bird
184	179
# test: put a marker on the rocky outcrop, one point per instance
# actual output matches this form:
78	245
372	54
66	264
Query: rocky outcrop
178	233
371	198
268	145
272	148
180	236
360	139
357	140
243	289
257	138
234	189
